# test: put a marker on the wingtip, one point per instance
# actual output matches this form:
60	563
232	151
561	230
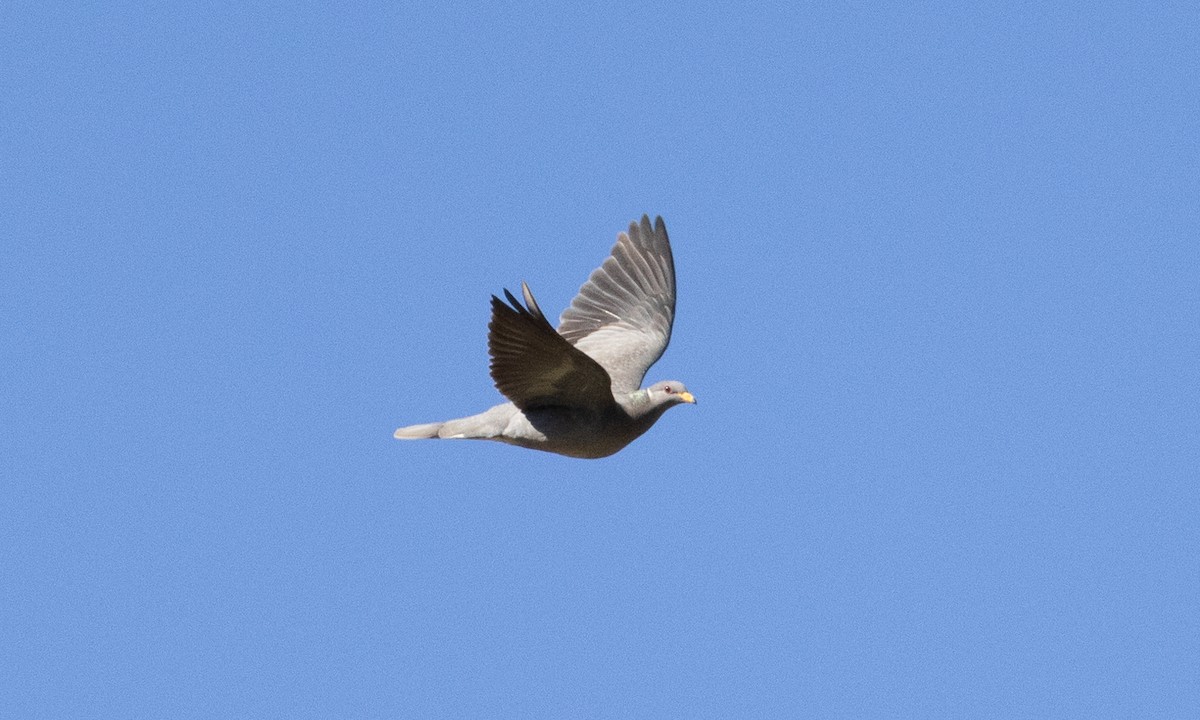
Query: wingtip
512	300
646	226
529	308
530	302
644	230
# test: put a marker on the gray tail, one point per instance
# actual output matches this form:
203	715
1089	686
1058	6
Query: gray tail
418	432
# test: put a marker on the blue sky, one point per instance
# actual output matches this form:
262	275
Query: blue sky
938	298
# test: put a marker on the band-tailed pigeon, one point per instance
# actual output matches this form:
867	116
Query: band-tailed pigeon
576	391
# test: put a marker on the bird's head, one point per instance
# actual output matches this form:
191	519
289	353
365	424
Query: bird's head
669	392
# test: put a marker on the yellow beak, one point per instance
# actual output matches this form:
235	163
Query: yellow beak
687	397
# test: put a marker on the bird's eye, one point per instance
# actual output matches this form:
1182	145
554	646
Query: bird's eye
668	390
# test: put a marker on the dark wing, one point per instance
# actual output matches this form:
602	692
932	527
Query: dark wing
534	366
622	315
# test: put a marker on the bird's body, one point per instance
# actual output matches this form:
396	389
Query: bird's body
575	391
576	432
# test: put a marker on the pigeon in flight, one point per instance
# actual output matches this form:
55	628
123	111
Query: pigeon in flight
577	391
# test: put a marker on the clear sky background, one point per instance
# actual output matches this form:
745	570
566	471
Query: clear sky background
939	299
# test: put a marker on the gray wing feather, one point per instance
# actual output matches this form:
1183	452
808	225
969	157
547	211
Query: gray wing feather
623	314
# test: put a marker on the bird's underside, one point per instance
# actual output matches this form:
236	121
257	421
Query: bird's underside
575	390
564	431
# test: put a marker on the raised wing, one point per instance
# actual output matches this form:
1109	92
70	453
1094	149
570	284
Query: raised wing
622	315
534	366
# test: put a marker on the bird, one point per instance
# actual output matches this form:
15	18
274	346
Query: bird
576	390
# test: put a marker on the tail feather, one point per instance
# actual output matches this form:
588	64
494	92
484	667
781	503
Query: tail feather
418	432
487	425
